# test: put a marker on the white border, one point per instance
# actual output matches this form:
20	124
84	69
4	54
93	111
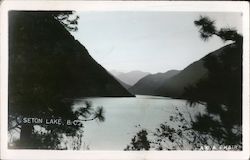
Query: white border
213	6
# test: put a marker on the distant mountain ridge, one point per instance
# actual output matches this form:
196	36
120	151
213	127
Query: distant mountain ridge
150	83
129	78
174	84
125	85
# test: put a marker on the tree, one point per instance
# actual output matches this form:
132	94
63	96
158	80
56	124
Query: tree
139	141
221	89
67	19
181	135
38	81
207	29
44	136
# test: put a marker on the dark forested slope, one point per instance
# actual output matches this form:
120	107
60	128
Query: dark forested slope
175	86
46	61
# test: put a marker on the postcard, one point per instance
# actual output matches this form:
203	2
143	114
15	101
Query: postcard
124	80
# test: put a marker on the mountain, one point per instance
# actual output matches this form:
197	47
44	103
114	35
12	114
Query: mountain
125	85
129	78
174	87
115	72
150	83
172	83
45	62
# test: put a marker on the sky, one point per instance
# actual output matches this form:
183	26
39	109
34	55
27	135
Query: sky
148	41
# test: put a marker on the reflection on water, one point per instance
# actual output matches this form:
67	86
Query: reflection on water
122	115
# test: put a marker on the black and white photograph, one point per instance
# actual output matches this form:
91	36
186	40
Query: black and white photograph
126	80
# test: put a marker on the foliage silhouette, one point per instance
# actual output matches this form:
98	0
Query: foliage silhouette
47	136
182	135
179	133
207	29
221	89
139	142
67	19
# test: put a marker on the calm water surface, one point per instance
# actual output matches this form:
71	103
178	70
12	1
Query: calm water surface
122	115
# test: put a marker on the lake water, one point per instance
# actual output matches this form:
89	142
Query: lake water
122	115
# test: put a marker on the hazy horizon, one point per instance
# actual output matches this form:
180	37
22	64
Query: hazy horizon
148	41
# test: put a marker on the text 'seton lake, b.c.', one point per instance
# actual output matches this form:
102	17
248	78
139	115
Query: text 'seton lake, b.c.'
48	121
